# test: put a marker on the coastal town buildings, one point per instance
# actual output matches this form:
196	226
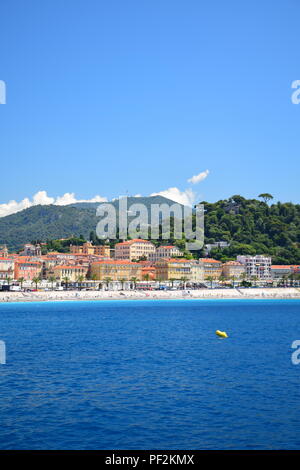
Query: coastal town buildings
148	273
233	269
258	266
116	270
134	249
7	266
179	269
71	272
135	259
296	269
165	251
27	269
89	249
31	250
279	272
212	268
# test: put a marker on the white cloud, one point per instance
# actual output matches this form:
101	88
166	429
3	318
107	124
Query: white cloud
69	198
12	206
42	198
200	177
186	197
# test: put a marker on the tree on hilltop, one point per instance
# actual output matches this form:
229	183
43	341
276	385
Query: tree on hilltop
266	197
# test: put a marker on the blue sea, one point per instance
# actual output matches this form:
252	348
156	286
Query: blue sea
150	375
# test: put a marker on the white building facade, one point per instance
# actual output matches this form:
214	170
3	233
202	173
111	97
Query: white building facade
258	266
165	251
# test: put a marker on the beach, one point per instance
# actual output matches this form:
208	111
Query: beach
237	293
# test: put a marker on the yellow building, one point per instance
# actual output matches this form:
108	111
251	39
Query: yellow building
233	269
89	249
212	267
178	269
116	270
72	272
134	249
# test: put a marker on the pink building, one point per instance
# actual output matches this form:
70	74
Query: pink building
27	269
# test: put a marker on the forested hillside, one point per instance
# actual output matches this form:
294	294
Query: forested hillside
253	227
49	222
250	226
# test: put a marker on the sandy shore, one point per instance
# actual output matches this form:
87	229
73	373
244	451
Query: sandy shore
257	293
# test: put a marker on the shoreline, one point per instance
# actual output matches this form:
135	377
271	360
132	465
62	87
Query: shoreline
280	293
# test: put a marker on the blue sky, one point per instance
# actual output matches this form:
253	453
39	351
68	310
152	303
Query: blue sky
139	96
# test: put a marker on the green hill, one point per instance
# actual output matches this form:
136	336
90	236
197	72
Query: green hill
249	225
253	227
53	222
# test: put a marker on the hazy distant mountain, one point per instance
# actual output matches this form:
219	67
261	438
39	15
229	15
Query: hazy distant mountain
52	222
147	201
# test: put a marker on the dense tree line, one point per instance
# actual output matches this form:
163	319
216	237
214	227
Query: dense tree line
253	227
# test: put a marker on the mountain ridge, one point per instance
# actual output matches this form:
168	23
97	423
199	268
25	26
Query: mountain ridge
45	222
249	226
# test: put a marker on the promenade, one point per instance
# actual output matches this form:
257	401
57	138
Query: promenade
250	293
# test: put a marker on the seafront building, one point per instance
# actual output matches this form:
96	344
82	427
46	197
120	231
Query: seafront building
71	272
135	259
212	268
53	259
134	249
233	269
116	270
27	269
279	272
179	269
258	266
7	267
148	273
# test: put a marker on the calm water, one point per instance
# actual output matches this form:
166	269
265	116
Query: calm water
150	375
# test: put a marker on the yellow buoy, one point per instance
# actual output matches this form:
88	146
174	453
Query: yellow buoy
222	334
